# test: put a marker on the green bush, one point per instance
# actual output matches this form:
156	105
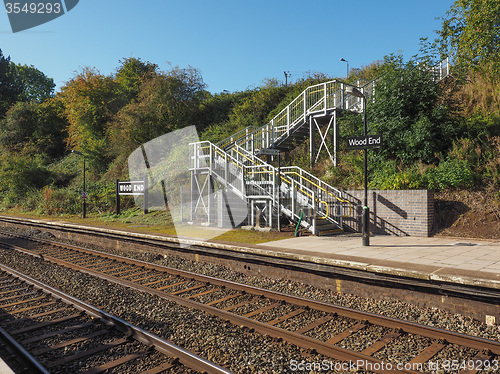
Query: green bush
386	175
450	174
59	201
406	110
21	174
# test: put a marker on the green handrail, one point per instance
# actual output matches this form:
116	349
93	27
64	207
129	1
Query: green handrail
298	223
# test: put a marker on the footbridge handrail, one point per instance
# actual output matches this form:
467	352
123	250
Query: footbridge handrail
317	99
314	100
321	186
252	178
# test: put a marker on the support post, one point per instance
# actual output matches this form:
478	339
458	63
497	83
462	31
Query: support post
313	217
279	192
335	137
305	105
311	142
84	191
342	96
210	189
118	197
366	209
145	196
252	214
270	213
226	168
192	195
182	206
324	99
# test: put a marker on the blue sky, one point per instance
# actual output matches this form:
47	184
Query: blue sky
235	44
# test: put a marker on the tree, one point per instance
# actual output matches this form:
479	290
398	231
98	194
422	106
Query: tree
131	74
40	125
35	85
90	100
165	102
470	32
405	110
255	109
9	86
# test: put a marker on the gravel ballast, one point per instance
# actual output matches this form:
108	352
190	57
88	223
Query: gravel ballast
236	348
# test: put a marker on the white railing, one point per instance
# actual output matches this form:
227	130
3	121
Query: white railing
331	197
235	137
252	179
314	100
442	69
319	99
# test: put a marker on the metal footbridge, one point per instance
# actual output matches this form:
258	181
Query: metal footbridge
235	186
232	184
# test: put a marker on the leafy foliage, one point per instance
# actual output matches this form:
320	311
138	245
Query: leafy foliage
166	102
256	108
35	85
131	73
10	88
90	101
405	110
470	32
450	174
21	174
40	125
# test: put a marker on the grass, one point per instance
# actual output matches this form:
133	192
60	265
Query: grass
160	222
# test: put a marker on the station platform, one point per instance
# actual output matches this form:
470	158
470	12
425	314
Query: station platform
457	260
470	262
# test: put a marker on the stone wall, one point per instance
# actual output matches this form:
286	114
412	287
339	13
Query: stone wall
395	212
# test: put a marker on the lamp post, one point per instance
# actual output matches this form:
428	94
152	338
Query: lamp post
347	77
366	211
287	74
84	197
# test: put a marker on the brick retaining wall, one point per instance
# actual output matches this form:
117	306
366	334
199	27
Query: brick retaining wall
395	212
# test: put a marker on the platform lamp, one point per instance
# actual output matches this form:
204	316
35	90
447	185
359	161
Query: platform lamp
347	77
354	91
84	193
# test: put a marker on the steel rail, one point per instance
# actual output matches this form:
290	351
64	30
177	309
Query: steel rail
193	246
24	356
291	337
186	357
408	327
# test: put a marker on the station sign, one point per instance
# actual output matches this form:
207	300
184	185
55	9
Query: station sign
270	151
364	142
131	188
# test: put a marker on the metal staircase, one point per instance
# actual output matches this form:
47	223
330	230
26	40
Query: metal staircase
263	188
321	100
301	118
232	171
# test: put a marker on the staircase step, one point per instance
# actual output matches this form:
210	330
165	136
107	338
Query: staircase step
323	222
330	232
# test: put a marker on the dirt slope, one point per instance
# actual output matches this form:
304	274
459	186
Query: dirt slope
472	214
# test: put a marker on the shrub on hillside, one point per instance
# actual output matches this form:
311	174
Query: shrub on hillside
452	173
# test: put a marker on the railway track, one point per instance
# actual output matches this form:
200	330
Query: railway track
48	331
369	342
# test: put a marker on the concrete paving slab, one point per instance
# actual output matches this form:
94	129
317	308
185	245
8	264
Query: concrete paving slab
465	261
